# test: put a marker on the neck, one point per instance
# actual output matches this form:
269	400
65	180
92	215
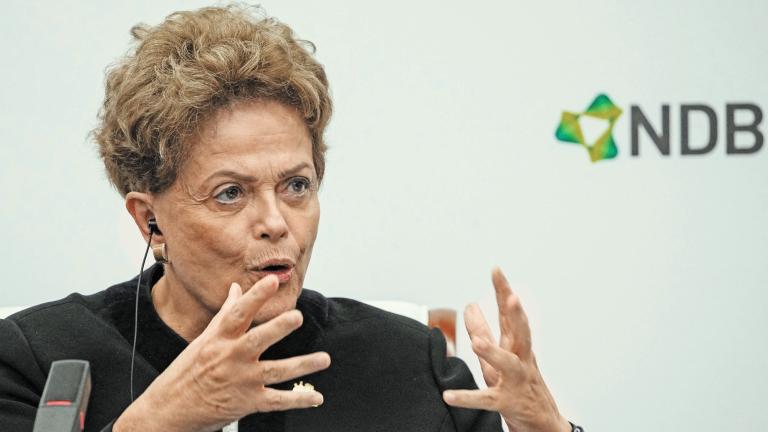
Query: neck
180	311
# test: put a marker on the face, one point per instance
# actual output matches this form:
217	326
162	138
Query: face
244	206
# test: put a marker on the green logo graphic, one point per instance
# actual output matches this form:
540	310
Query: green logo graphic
570	131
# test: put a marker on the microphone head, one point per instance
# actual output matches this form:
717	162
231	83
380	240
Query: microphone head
65	397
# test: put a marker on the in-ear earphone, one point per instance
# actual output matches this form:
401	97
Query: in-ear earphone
153	228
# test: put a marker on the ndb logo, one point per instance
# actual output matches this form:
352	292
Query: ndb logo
593	129
570	129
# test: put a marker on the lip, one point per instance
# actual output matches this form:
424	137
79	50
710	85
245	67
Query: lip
283	275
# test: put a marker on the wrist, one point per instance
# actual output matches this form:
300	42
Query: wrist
139	416
135	419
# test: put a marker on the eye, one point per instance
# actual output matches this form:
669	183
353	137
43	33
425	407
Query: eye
229	195
299	185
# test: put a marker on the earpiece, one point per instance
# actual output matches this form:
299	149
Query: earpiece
153	228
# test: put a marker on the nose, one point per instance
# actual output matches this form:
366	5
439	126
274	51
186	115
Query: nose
269	222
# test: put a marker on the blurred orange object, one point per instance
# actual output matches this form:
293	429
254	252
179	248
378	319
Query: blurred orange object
445	320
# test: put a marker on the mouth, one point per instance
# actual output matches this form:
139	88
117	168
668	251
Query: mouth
282	268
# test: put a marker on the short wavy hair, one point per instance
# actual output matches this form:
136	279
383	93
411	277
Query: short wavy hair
183	70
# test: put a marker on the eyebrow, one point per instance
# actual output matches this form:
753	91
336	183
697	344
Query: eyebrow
245	178
294	170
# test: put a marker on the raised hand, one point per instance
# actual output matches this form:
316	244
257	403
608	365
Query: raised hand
219	377
516	388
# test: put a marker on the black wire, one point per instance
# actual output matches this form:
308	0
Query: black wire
136	310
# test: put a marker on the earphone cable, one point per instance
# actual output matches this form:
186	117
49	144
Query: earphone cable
136	310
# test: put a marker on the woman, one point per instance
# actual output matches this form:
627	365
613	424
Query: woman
212	130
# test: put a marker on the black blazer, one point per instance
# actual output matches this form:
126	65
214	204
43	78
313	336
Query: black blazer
387	372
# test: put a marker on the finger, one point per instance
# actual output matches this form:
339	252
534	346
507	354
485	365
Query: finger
505	362
278	371
478	328
485	399
521	330
241	314
476	324
503	293
259	338
283	400
235	292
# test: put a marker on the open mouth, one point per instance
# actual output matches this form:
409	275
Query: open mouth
280	268
275	268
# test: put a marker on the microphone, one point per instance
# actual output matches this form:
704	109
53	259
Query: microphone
65	397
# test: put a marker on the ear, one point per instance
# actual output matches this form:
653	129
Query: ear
139	205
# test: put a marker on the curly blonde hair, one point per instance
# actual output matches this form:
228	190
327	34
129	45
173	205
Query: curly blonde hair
183	70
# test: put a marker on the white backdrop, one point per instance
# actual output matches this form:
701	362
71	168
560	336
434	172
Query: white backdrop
644	277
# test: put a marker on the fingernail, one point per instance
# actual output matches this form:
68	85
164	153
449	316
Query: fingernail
317	399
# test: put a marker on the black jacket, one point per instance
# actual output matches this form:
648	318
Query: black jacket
387	372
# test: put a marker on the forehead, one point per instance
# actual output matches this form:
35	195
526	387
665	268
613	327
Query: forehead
252	137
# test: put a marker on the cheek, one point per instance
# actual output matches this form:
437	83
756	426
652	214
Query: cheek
207	241
207	256
306	232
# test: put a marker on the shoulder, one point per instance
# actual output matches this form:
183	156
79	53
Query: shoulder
72	311
73	326
345	312
88	327
360	333
72	306
358	322
402	359
36	336
352	318
79	318
357	334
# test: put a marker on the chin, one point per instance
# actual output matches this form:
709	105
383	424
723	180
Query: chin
283	301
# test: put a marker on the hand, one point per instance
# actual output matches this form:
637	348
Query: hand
219	378
515	386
